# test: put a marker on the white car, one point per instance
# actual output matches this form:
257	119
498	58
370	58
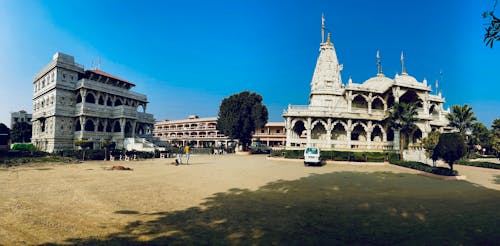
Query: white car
312	156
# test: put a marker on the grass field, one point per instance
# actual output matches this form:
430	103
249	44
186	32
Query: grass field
245	200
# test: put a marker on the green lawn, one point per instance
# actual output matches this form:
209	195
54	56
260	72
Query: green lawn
336	208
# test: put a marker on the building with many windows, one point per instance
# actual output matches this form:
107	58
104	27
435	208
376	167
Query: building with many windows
354	115
71	103
202	132
18	117
272	134
196	131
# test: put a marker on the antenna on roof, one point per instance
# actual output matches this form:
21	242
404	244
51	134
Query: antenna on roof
322	28
91	63
379	64
440	78
403	63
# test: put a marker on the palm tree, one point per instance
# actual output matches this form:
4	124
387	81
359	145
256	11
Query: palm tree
462	118
402	118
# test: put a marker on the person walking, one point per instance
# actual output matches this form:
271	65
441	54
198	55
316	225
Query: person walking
186	151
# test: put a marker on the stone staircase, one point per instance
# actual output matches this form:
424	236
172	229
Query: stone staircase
141	144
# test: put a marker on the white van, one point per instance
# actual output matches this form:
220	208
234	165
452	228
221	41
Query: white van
312	156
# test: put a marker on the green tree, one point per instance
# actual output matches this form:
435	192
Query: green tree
4	134
451	147
493	27
402	118
21	132
495	131
429	143
84	144
462	118
481	136
239	116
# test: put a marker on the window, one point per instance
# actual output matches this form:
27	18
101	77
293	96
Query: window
262	131
278	131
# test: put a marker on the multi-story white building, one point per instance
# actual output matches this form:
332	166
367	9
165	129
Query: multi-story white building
196	131
272	134
18	117
71	103
353	116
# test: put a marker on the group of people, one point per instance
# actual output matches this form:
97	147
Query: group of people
178	160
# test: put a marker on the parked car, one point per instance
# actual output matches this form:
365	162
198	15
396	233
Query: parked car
259	148
312	156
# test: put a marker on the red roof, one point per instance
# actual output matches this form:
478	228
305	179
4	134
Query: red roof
102	73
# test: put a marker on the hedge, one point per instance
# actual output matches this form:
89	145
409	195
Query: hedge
23	146
479	164
425	168
339	155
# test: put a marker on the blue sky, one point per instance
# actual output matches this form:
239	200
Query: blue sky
186	56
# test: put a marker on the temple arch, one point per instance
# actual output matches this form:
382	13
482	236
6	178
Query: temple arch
298	129
360	102
318	131
358	132
117	127
89	125
378	103
78	126
90	98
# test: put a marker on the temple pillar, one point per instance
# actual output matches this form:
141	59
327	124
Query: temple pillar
348	132
288	127
308	130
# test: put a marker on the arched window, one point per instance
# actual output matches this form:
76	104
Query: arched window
78	126
377	104
101	100
108	102
359	102
108	127
118	102
100	127
78	98
89	125
117	127
90	98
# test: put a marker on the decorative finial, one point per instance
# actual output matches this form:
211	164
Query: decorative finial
322	28
403	63
379	64
98	63
328	39
349	81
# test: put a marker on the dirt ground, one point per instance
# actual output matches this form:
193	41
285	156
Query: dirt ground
51	203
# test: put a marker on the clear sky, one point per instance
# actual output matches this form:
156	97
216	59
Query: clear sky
186	56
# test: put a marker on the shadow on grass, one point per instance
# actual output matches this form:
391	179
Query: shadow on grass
335	208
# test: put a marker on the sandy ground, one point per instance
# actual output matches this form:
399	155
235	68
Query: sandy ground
53	202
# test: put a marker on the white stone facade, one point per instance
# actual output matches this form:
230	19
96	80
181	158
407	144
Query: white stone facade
70	103
353	116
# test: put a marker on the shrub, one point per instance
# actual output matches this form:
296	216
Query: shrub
23	146
340	155
451	147
479	164
424	167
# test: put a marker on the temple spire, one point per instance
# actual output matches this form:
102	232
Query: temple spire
322	28
379	64
403	68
